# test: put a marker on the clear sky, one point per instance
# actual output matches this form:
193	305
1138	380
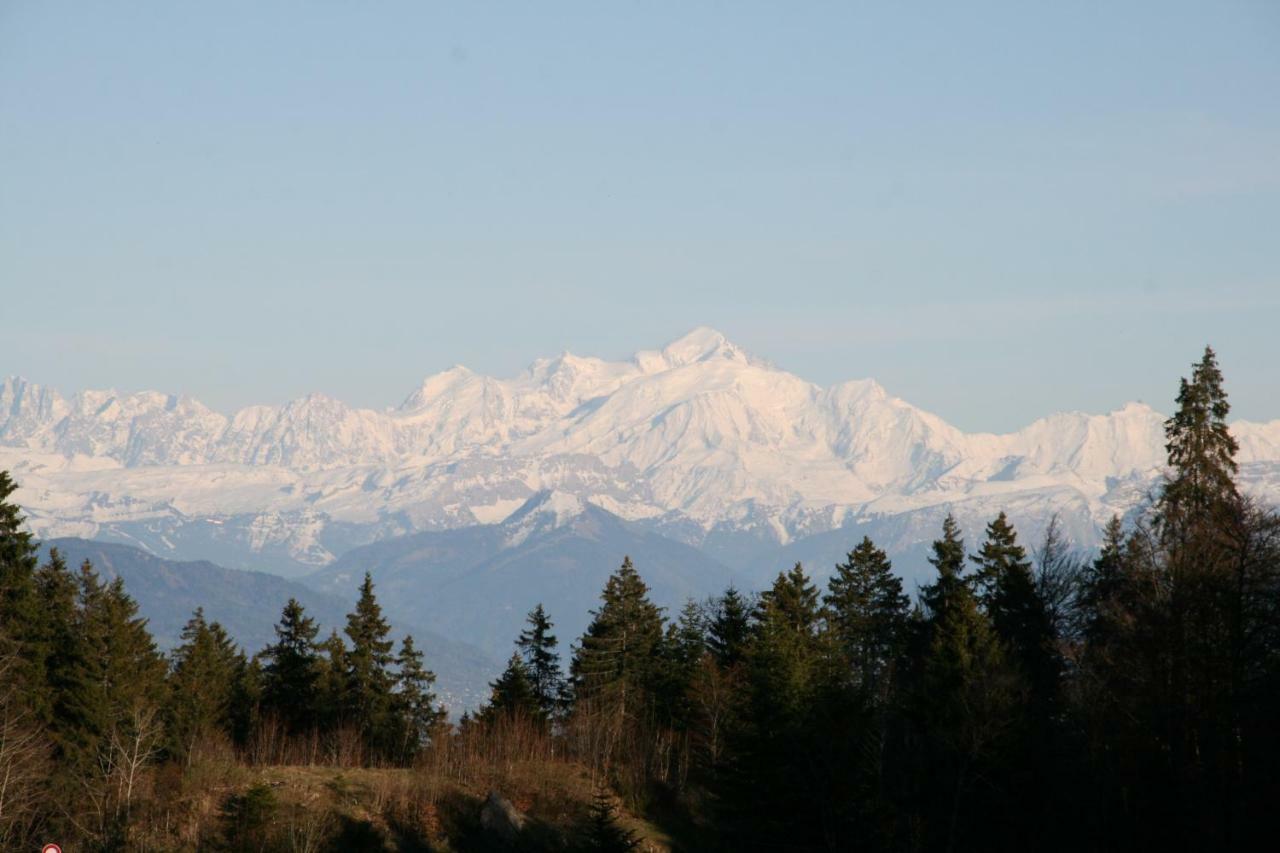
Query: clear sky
996	210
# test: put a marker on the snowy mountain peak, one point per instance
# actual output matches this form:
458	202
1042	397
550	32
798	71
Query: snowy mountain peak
546	510
701	344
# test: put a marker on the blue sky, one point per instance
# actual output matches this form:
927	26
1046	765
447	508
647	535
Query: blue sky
997	210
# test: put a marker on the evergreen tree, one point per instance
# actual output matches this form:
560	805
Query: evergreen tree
615	666
247	700
414	701
730	628
331	682
1018	613
538	647
19	608
512	695
202	684
118	688
1102	588
601	832
291	670
948	559
60	645
682	649
369	675
867	611
1201	450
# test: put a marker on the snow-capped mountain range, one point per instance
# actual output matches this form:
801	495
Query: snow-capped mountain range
699	441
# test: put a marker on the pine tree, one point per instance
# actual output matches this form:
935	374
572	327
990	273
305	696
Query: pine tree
867	611
615	665
60	644
1018	613
291	670
538	647
1102	587
948	559
730	628
602	832
117	691
331	682
414	701
1201	450
247	700
19	608
369	675
202	684
682	649
512	695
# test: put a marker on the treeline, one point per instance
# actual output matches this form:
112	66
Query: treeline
1046	700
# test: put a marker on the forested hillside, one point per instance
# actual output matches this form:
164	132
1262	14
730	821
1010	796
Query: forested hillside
1030	697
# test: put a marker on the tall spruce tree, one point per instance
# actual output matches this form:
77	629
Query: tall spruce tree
414	702
369	675
867	612
615	666
291	670
537	646
120	684
331	682
1102	588
60	644
19	608
682	649
948	559
1012	600
1201	450
730	628
202	684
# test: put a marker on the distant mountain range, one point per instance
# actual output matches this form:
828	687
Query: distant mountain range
477	498
699	442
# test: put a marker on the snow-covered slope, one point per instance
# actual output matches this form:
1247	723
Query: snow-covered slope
699	440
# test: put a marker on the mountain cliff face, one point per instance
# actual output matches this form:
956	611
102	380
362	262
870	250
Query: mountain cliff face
699	441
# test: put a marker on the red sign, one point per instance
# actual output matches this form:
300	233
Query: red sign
51	848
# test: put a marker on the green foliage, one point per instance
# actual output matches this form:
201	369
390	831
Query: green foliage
414	703
616	664
19	607
1201	448
370	678
537	646
601	832
512	695
1018	614
202	685
867	614
729	628
291	670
